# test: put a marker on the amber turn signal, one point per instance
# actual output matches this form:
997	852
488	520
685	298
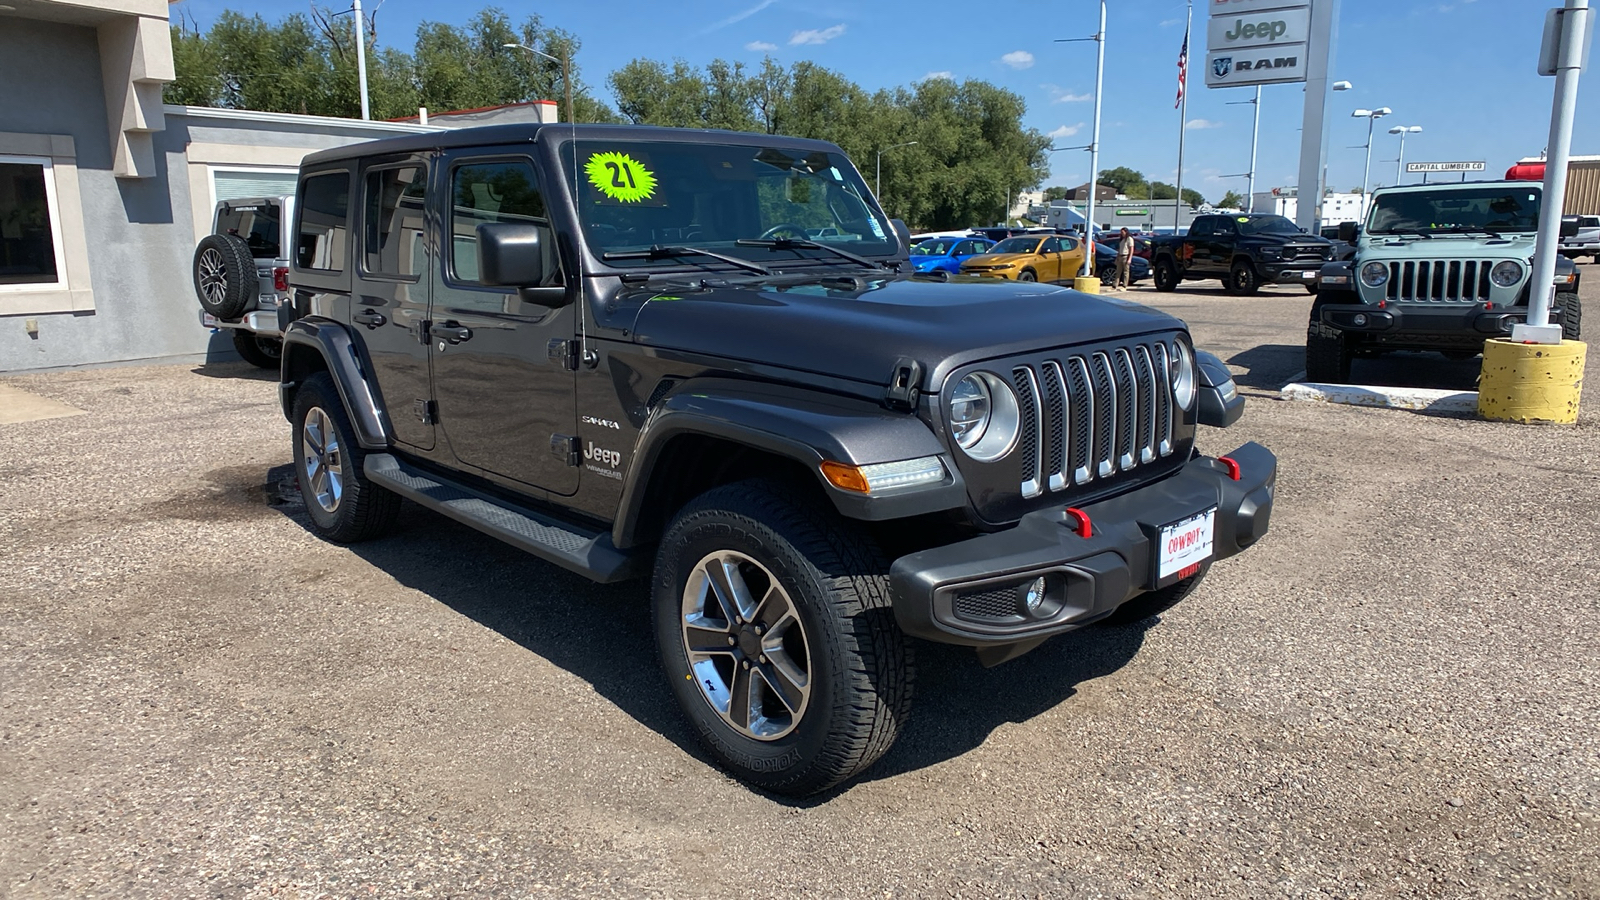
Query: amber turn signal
845	477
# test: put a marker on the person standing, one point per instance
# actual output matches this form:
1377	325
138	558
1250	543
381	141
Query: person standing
1124	260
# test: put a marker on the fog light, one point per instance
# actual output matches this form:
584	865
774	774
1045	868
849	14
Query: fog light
1033	596
1359	318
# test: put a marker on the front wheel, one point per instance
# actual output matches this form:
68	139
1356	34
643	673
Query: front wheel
940	275
1108	276
258	350
1166	276
777	635
1027	275
1242	278
343	505
1328	355
1571	318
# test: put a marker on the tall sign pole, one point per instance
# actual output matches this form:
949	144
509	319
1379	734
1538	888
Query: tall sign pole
1094	146
1313	122
361	58
1255	135
1183	109
1565	40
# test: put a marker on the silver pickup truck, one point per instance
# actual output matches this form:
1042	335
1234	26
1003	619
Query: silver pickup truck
1586	242
241	274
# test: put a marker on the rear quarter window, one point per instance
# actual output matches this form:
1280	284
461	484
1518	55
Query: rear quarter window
322	233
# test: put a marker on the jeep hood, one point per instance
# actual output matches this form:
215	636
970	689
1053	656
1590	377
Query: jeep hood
859	330
1450	246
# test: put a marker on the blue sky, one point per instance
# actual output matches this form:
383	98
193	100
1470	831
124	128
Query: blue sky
1463	70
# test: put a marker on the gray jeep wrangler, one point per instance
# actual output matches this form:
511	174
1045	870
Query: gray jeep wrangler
1436	267
241	275
700	359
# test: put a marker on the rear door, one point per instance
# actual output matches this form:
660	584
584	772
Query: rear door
389	306
500	373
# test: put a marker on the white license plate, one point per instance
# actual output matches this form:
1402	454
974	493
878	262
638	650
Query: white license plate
1186	543
1309	274
210	320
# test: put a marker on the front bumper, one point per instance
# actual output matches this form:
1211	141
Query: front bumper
1302	272
936	591
1467	325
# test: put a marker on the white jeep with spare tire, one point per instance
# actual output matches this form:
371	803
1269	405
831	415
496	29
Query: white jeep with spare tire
241	275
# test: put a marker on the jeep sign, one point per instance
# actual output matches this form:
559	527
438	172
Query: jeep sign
1271	28
1277	64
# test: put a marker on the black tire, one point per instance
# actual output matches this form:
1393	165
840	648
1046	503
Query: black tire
940	275
1242	278
1108	276
1166	275
224	275
858	668
1571	318
1027	275
258	349
1328	355
1154	603
360	510
1459	355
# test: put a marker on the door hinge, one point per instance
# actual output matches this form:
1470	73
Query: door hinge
427	411
565	447
565	353
421	331
902	391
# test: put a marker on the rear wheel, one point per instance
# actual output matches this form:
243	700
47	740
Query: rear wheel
258	349
777	634
224	275
1166	275
1571	318
1242	278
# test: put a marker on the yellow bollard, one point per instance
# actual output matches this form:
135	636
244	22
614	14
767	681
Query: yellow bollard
1089	285
1531	382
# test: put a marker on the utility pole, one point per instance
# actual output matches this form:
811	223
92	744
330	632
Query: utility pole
1255	135
1573	23
361	58
1094	145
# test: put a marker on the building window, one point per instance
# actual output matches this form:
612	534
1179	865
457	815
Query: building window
31	257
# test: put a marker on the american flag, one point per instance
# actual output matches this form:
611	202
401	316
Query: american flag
1183	70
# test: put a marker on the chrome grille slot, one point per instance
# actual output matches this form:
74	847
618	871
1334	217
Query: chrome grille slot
1439	281
1029	448
1093	415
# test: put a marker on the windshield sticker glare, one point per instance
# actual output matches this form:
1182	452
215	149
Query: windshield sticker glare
620	177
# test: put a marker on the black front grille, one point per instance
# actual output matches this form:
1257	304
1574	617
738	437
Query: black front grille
1307	253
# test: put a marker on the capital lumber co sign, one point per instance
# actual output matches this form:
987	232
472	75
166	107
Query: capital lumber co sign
1473	166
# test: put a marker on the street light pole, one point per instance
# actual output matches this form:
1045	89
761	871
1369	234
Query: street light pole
1400	161
1372	116
877	178
1099	38
361	58
1255	134
566	73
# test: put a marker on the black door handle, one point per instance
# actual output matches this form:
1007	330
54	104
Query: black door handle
451	332
369	318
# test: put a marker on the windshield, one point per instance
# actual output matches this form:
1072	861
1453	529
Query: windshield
933	247
634	195
1016	245
1494	209
1267	225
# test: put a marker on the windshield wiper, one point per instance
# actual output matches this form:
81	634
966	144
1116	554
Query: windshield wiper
660	252
1470	229
797	243
1416	231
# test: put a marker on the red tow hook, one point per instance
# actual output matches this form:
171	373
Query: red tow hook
1084	528
1232	464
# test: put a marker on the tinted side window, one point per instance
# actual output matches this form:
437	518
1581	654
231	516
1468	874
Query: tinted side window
324	220
1051	245
482	193
1201	227
258	225
392	227
1224	226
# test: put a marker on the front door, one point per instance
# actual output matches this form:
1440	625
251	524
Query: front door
389	303
502	394
1050	260
1219	249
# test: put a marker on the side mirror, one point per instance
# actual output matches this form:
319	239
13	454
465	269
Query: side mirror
1347	232
1221	404
1569	227
902	232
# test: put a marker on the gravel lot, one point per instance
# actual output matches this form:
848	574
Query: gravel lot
1393	695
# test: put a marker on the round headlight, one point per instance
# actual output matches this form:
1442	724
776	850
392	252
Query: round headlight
1375	274
1506	273
983	416
1183	374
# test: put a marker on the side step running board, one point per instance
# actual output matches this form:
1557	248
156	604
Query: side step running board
589	553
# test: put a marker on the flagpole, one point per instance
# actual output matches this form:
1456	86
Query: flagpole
1183	113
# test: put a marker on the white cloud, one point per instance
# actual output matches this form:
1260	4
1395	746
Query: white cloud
815	35
760	46
947	76
1168	23
738	16
1060	94
1065	131
1018	59
1198	124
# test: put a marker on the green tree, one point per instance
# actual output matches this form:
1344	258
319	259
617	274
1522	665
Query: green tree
1231	200
1056	192
1160	190
1192	198
1128	182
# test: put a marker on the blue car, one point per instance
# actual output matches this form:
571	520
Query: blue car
942	257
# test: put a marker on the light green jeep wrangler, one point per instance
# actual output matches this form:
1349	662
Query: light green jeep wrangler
1437	267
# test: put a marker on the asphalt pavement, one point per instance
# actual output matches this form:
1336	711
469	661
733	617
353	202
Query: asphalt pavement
1392	695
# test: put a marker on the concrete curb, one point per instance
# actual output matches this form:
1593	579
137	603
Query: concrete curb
1383	397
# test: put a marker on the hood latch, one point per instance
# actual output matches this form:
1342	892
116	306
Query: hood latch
902	391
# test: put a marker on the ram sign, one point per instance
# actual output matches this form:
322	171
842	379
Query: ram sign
1256	65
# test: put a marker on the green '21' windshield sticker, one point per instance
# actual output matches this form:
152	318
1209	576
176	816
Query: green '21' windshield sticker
620	177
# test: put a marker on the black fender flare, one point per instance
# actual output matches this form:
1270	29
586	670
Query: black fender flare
331	341
805	426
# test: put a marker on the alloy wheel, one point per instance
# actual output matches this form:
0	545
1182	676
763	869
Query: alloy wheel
324	459
213	275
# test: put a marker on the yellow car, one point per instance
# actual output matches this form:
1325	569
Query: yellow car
1029	257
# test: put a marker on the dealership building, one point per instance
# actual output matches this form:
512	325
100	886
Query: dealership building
104	190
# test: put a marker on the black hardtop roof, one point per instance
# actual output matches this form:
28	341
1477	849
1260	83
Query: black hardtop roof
501	135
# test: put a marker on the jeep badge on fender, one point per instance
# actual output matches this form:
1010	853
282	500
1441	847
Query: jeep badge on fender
826	459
